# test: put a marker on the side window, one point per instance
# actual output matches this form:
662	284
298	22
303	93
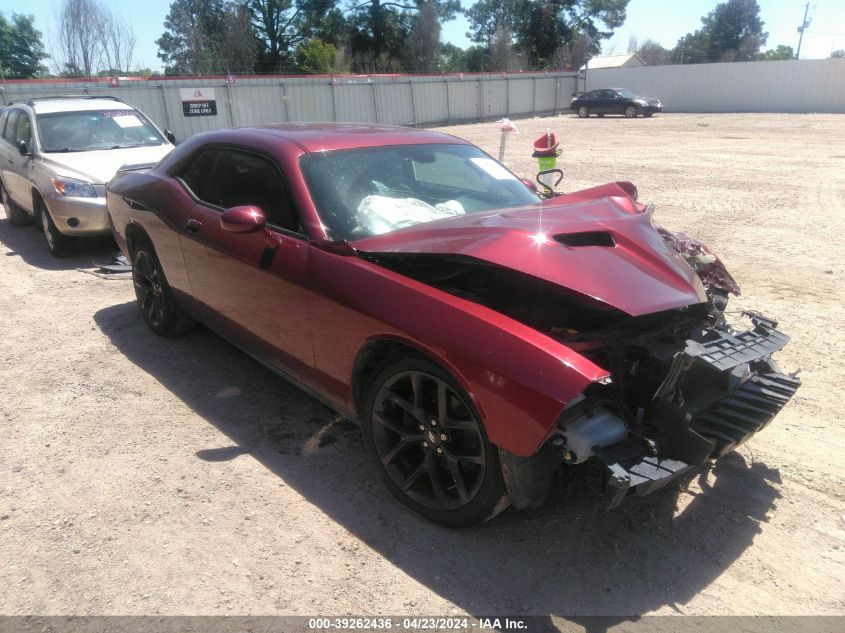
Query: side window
24	129
198	176
228	178
11	125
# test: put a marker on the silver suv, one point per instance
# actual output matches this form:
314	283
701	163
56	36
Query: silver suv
58	153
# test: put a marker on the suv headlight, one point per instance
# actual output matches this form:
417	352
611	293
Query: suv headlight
73	188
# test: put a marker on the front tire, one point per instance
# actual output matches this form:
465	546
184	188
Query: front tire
58	243
158	306
429	444
16	215
631	112
583	112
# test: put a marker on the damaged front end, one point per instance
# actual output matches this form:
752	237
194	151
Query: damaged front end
672	405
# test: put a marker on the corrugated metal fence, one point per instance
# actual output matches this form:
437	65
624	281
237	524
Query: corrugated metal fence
392	99
816	85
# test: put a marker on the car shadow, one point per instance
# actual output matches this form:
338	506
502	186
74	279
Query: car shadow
568	557
28	243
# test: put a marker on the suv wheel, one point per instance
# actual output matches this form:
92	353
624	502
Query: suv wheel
16	215
58	243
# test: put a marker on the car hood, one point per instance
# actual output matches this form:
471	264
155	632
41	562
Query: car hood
606	248
98	166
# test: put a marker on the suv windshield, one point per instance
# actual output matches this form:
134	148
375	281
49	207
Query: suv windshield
364	192
95	129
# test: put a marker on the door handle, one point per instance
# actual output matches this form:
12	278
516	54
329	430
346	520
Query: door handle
193	226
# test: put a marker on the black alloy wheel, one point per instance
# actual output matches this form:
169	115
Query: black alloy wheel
155	298
430	445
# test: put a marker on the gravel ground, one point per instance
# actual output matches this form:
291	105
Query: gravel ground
140	475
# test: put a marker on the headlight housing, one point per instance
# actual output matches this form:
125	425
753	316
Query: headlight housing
73	188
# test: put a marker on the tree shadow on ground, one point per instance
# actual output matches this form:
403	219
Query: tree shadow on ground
568	557
28	243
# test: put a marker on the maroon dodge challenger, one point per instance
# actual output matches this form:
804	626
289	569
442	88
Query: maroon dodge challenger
484	337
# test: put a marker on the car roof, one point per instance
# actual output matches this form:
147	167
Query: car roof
80	104
316	137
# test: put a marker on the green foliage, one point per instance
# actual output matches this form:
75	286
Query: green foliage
541	28
193	38
781	52
316	56
732	32
378	29
21	48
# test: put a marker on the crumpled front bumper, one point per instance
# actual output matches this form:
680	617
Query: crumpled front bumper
718	394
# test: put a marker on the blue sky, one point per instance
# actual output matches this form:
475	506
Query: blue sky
658	20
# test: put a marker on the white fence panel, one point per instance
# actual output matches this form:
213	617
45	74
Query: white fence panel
775	86
395	99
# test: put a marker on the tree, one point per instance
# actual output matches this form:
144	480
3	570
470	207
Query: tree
21	48
731	32
423	44
652	53
542	28
192	37
92	40
283	25
379	28
316	56
781	52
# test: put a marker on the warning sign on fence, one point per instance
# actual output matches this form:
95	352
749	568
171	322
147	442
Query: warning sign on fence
198	102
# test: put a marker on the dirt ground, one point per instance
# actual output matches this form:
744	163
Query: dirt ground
140	475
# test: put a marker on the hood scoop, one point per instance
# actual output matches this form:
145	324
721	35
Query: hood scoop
586	238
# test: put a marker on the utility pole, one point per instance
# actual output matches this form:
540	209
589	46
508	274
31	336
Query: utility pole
804	24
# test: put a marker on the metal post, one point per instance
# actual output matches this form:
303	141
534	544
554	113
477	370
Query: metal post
413	102
508	97
375	101
285	101
167	122
533	96
229	104
556	108
480	99
448	104
804	25
334	100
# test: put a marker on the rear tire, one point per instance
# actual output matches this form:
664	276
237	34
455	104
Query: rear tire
583	112
16	215
58	243
429	444
158	306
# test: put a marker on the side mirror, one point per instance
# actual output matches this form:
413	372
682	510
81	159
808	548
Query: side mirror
246	219
169	135
23	148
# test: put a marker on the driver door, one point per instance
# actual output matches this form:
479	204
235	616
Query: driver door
251	287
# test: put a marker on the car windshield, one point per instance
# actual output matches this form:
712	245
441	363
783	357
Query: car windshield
94	130
627	94
364	192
